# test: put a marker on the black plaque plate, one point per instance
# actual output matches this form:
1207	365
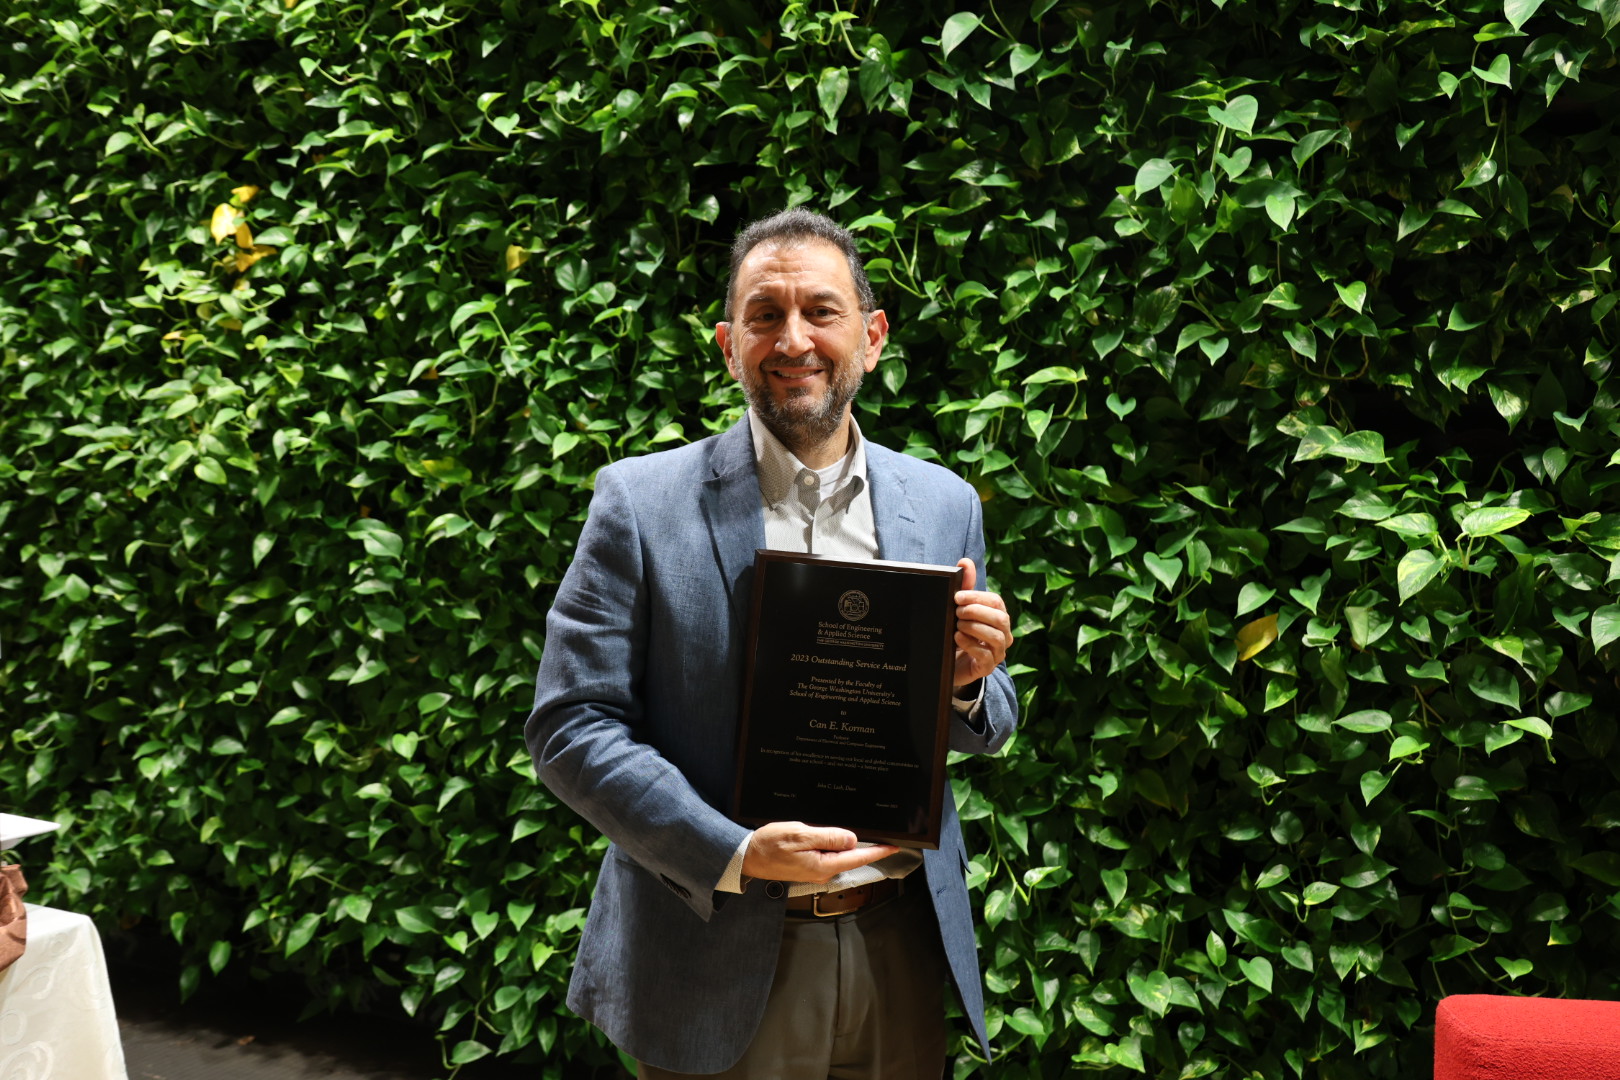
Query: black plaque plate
847	696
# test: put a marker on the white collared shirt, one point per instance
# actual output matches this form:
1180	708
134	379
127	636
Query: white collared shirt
818	511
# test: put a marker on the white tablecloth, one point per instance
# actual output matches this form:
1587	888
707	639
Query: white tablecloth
56	1008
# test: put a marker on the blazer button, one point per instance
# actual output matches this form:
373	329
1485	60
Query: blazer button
775	890
678	890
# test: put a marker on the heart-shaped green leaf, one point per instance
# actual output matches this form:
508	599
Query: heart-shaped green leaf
1605	625
1319	892
1022	58
1238	114
1167	571
1236	163
1500	72
1490	520
1354	295
1251	596
957	28
1518	12
1371	784
1280	209
1258	971
1152	173
1416	569
831	89
1365	721
1602	865
1515	968
1152	991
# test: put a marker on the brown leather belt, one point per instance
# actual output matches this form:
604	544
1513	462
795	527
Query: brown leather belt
824	905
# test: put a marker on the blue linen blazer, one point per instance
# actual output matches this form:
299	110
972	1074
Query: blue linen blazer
634	726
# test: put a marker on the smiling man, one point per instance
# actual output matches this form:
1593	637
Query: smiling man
791	951
799	334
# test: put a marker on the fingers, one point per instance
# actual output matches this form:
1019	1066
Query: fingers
969	644
969	574
797	836
973	661
983	629
985	621
831	864
980	607
794	851
820	839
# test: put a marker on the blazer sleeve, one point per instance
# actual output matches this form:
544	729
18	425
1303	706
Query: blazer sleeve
998	713
589	698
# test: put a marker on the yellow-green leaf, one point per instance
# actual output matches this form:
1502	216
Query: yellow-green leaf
223	224
1416	569
1254	636
1489	520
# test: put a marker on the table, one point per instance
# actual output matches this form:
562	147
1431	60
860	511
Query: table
56	1008
1492	1037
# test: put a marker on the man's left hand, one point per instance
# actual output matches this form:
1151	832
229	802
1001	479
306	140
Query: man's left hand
983	629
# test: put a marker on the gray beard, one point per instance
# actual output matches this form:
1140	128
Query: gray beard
798	429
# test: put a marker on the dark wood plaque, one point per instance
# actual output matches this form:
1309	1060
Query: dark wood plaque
847	696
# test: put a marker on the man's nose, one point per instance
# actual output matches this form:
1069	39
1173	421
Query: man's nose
793	339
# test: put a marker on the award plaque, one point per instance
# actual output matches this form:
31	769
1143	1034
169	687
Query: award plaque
847	696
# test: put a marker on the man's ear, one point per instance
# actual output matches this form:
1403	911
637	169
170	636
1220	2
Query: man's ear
722	338
877	335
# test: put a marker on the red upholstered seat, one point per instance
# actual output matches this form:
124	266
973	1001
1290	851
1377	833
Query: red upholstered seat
1486	1037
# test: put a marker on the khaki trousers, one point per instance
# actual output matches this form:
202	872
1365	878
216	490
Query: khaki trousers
857	997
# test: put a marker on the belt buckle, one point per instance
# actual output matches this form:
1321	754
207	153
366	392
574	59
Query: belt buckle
855	903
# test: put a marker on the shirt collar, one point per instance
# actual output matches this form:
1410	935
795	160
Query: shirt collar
779	467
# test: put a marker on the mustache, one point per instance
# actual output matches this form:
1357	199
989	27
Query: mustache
807	361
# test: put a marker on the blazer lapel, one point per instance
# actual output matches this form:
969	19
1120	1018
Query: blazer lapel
731	508
899	522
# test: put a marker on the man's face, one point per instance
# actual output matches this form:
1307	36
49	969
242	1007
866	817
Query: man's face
797	342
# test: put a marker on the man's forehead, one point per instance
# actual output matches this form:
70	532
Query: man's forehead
776	262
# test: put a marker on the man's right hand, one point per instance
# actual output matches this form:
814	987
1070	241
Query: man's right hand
794	851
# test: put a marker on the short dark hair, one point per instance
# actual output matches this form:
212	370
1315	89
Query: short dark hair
798	225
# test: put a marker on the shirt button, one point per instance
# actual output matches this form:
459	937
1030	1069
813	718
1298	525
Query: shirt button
809	481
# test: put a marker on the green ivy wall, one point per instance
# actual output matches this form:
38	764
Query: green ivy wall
1278	339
